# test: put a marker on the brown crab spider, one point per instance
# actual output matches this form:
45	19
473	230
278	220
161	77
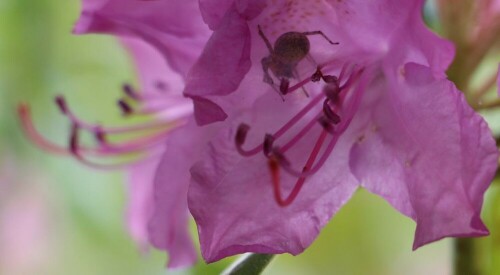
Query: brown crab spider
289	49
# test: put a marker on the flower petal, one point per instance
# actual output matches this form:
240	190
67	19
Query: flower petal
426	152
213	11
231	197
250	9
173	27
140	202
206	111
158	81
221	67
168	227
382	26
154	76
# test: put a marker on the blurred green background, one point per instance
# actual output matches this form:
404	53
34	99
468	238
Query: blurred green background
58	217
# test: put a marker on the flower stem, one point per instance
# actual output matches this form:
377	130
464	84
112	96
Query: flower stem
488	105
249	264
465	258
486	87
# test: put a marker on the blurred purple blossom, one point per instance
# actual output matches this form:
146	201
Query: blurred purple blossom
163	38
29	218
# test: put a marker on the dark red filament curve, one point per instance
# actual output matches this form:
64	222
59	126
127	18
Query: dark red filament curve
335	96
274	167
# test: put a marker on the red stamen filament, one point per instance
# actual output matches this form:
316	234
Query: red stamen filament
170	110
113	130
312	170
284	128
302	83
346	121
147	97
24	113
311	167
275	173
303	112
134	146
299	136
105	149
75	151
132	93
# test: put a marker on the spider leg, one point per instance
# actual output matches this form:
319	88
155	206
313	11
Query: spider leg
296	76
266	62
279	93
322	34
268	44
311	59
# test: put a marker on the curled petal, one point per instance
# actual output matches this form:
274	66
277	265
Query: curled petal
168	226
207	111
154	76
140	203
403	30
426	152
213	11
250	9
222	65
170	26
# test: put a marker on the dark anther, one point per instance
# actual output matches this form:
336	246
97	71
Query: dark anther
280	157
61	103
284	85
241	134
330	115
125	107
73	140
317	75
331	79
326	124
128	90
332	91
267	146
100	135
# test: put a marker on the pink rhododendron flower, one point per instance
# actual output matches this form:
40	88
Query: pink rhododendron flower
156	33
375	111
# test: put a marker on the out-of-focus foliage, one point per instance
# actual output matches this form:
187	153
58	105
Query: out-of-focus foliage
39	58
